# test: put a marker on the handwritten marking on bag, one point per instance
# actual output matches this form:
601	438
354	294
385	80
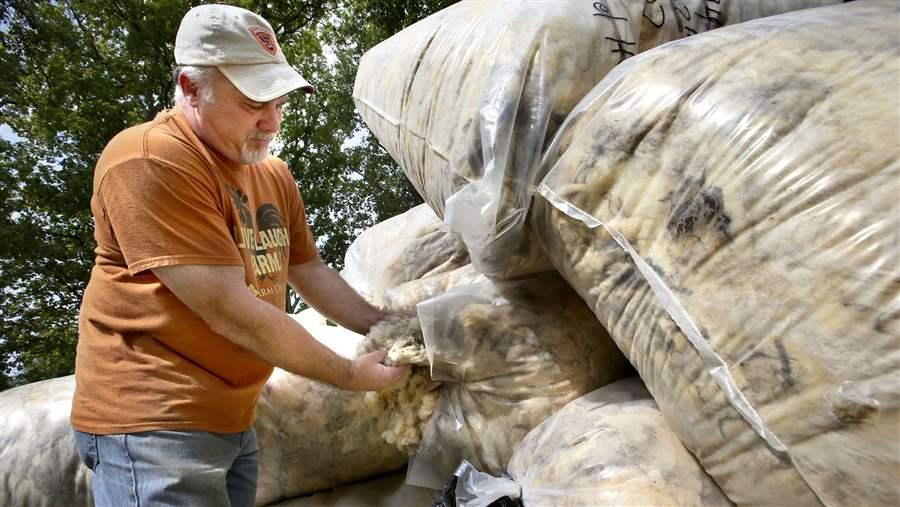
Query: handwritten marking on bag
602	9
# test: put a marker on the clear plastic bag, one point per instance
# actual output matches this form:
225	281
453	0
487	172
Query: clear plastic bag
664	21
509	354
470	487
728	206
39	463
467	99
610	447
405	297
409	246
313	436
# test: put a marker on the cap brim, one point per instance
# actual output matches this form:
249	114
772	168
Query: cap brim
265	81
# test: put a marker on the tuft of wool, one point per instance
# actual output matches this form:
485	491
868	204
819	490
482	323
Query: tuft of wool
409	403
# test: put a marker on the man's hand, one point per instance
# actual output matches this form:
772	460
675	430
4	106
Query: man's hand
219	295
369	374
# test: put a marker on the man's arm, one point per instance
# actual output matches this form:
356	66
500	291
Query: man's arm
324	289
219	295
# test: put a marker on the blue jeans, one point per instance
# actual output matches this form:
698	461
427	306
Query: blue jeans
177	468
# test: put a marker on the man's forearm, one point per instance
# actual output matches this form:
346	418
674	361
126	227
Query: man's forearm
326	291
219	295
281	341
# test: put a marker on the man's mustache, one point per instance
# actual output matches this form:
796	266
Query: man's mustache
261	136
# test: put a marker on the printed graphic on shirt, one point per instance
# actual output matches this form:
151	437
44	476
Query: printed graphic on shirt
265	238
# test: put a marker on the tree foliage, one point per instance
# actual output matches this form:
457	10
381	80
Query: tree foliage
73	73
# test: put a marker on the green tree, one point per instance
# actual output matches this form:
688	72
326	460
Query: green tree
73	73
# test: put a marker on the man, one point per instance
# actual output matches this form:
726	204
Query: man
198	233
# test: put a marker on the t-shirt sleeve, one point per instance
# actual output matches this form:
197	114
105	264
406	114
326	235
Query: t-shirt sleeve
303	243
162	215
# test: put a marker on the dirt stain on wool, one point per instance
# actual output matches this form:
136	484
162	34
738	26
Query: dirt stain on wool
853	411
696	209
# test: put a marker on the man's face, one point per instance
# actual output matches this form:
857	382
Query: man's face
238	128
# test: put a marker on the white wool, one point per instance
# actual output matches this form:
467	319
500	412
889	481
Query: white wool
409	246
510	354
751	175
408	404
612	446
466	100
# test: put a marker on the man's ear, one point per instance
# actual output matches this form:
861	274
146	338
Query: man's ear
188	89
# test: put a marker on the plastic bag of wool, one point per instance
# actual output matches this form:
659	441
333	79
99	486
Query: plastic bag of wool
409	246
405	297
509	354
727	206
612	446
41	467
467	100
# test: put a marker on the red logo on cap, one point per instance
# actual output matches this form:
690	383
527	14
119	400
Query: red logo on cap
264	38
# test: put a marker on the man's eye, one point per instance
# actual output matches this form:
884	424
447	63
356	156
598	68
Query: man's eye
255	106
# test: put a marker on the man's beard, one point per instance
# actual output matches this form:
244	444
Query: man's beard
254	156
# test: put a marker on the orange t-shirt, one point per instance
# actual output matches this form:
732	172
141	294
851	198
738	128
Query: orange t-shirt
161	197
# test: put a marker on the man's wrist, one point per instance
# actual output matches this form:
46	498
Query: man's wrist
349	375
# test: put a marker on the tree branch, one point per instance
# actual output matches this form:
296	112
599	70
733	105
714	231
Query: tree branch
84	32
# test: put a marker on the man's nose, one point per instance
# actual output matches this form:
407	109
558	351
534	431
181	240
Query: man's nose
271	119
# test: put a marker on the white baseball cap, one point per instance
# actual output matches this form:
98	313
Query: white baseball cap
242	46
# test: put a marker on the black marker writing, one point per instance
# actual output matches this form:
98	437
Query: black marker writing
661	11
603	10
681	15
623	52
